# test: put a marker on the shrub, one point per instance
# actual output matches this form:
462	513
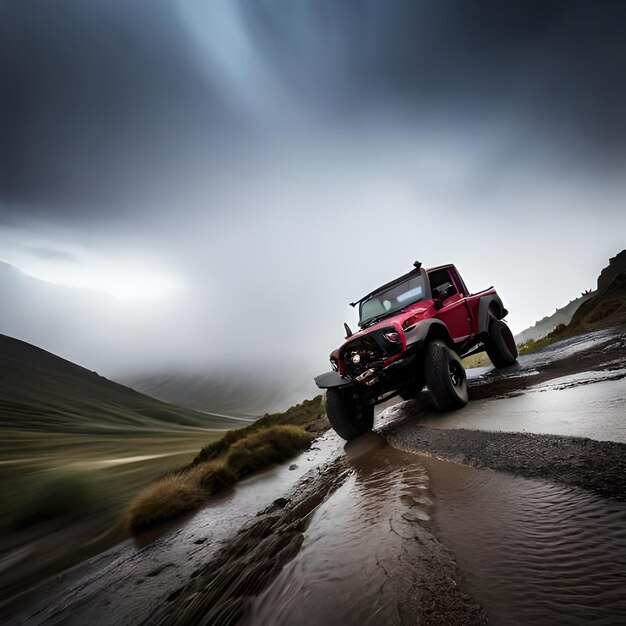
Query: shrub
220	464
163	500
216	448
265	447
304	415
214	476
64	494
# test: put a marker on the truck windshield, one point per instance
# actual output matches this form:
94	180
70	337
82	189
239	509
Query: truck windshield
395	298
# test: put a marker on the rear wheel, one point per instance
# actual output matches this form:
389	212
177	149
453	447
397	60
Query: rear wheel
500	345
348	412
445	377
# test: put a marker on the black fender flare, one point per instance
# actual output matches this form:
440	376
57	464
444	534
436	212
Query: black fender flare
417	334
332	379
486	305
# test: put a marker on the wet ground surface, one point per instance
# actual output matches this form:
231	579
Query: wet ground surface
452	523
546	408
123	584
533	551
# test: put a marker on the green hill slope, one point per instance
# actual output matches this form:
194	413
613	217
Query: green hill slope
43	392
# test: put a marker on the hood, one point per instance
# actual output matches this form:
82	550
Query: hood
406	317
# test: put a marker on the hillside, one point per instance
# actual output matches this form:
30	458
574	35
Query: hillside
605	308
240	393
41	391
591	311
547	324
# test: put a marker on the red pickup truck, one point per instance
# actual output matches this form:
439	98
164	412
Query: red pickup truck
413	332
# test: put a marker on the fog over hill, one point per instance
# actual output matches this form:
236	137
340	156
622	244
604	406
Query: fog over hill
242	392
42	392
94	329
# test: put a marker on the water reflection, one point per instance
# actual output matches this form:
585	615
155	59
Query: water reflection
534	552
356	564
376	551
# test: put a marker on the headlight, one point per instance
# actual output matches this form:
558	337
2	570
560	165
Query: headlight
333	364
392	336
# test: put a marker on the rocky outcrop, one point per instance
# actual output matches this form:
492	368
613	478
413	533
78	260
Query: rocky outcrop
606	309
616	266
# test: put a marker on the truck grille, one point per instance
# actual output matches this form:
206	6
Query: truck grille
368	352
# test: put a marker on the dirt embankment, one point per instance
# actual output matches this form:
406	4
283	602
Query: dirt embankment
599	466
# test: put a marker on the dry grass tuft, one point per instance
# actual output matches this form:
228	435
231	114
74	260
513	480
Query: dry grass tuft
163	500
266	447
309	415
214	476
172	496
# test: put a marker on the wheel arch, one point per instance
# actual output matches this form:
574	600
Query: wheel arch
429	330
489	307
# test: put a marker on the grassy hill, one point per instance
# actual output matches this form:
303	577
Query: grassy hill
74	449
41	391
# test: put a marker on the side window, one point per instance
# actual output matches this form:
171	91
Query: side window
439	277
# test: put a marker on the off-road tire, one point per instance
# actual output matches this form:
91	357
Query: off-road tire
500	345
348	412
445	377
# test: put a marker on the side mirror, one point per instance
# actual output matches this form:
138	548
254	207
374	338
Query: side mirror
441	293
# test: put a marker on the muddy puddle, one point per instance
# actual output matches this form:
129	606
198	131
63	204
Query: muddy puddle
382	549
533	552
357	563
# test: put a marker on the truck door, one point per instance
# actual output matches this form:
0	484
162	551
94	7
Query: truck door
455	312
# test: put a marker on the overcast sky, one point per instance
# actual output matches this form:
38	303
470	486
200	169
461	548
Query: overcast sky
230	174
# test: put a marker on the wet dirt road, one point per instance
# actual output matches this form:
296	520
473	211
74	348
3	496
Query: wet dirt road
430	520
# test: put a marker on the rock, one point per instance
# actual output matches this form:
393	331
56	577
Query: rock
293	466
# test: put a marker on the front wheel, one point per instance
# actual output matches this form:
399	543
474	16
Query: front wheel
445	377
500	346
348	412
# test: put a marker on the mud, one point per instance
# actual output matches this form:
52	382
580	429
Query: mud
534	552
599	466
355	546
602	350
594	465
447	525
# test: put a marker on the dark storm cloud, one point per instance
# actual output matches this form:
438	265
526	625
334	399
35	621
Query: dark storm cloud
229	174
558	67
103	99
95	96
